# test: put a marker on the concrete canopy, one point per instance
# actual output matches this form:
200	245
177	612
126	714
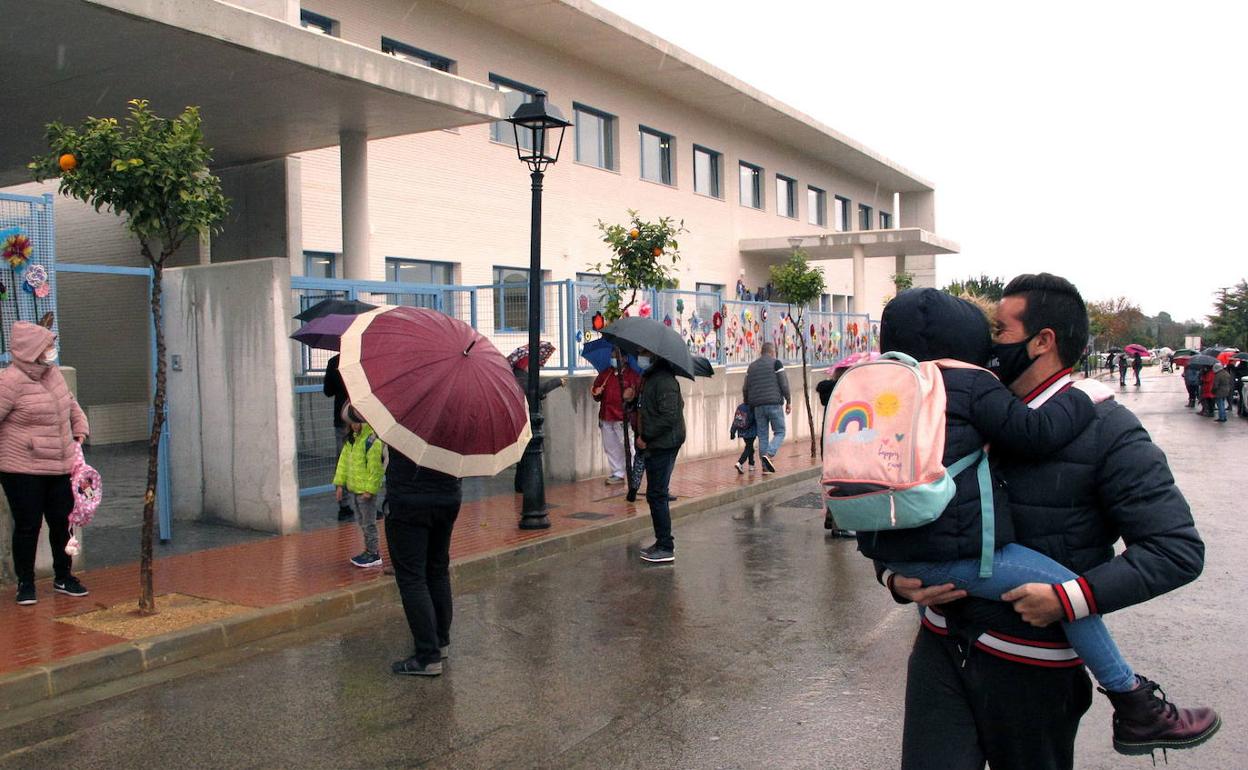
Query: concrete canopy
904	242
265	88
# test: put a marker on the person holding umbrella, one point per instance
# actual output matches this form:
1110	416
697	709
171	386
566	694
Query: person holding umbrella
1137	363
660	434
612	389
1191	379
519	360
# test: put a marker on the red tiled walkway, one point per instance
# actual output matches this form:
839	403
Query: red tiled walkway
268	572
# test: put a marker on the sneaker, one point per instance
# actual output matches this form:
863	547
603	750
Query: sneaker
413	667
767	466
1145	720
367	559
740	470
657	555
26	594
70	587
613	480
751	467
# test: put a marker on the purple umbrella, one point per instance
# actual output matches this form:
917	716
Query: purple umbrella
325	332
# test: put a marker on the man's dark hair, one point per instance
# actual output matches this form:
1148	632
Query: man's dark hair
1053	303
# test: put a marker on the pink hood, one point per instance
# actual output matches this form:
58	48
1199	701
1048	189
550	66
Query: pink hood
28	341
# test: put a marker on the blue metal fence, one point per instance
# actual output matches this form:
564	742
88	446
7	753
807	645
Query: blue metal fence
27	240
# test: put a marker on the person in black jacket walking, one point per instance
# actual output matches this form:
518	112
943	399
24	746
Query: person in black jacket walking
660	434
990	682
1137	363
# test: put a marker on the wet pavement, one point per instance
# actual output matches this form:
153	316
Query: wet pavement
765	645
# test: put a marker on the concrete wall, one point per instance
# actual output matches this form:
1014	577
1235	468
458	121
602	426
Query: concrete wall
231	426
259	223
574	442
456	196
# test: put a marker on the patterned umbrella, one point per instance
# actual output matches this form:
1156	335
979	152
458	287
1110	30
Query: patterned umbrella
435	390
519	357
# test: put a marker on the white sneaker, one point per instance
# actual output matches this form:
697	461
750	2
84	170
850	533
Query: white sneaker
740	470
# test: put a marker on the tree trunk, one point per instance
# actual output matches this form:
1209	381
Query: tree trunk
147	601
810	415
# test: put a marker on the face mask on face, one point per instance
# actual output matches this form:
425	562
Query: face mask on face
1010	360
51	356
644	361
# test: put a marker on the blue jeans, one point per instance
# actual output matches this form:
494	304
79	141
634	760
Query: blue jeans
1221	409
769	417
1012	566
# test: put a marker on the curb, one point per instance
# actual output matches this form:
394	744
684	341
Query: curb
39	683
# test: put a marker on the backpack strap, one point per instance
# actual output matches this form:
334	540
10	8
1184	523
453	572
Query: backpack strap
987	508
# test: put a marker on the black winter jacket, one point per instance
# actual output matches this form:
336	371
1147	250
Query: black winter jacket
1111	482
661	409
414	493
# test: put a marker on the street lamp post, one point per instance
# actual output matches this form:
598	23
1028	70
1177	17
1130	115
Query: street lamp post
537	127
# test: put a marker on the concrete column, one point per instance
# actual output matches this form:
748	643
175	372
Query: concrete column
860	279
353	169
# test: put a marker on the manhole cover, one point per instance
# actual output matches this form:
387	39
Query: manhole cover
589	515
811	500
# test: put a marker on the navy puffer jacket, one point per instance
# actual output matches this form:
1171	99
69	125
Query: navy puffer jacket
928	324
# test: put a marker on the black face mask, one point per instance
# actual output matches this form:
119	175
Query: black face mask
1010	360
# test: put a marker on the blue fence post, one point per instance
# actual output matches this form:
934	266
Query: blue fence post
472	307
570	324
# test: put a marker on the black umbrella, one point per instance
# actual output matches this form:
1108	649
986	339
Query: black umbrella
1202	360
702	367
335	307
1114	350
1212	352
632	334
1240	357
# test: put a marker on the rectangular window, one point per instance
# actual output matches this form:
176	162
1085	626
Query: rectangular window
511	299
315	22
864	217
751	186
786	197
320	264
656	156
515	93
886	220
707	168
707	305
816	206
840	215
400	270
825	303
416	55
595	136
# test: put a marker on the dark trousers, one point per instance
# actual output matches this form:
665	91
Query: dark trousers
964	711
1122	375
1137	378
659	465
1193	392
748	453
420	552
32	500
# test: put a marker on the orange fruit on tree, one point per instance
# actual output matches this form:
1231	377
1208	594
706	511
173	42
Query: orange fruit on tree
67	162
658	251
634	233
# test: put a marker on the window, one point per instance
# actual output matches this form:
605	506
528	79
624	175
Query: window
415	55
825	303
656	156
595	136
864	217
419	271
511	299
886	220
840	214
707	167
706	306
321	25
816	206
751	186
786	197
320	264
515	93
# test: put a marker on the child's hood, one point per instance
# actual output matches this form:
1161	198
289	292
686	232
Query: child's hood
929	324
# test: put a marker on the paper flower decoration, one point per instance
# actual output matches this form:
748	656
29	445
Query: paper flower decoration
717	321
748	316
36	276
763	315
644	310
812	330
18	250
598	322
582	303
667	320
680	306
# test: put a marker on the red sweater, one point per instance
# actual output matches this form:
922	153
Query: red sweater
611	407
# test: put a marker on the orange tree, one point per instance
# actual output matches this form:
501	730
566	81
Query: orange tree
640	253
799	284
154	172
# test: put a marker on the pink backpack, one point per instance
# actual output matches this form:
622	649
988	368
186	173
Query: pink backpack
884	444
88	488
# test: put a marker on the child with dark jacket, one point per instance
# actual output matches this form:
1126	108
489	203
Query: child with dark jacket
744	427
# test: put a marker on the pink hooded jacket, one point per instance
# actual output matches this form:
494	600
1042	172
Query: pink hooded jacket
39	419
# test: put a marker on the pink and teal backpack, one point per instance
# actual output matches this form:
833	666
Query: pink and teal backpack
884	445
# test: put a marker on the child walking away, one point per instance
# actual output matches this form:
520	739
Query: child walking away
744	427
359	474
906	466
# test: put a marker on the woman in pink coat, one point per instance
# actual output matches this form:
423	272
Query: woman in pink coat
39	423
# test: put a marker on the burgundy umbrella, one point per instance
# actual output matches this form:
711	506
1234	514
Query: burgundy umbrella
435	390
324	333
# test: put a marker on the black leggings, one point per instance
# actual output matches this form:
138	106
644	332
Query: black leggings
748	453
33	499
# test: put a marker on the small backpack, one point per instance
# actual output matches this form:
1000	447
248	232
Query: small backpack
744	417
884	443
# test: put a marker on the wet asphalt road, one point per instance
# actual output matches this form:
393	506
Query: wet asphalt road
765	646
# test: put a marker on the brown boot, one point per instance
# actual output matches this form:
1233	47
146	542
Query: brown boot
1144	721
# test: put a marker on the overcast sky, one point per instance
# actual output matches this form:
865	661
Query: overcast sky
1103	141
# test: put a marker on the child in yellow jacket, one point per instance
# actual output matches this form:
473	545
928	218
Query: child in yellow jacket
356	482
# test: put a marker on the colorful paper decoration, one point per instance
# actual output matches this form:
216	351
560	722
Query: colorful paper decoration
18	250
582	302
717	321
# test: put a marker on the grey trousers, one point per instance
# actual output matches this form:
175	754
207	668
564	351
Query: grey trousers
366	517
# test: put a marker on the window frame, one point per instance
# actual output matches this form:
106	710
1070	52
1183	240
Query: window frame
611	128
407	53
885	220
717	171
865	214
790	198
501	132
333	263
759	175
818	214
319	23
669	166
398	261
843	222
500	301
